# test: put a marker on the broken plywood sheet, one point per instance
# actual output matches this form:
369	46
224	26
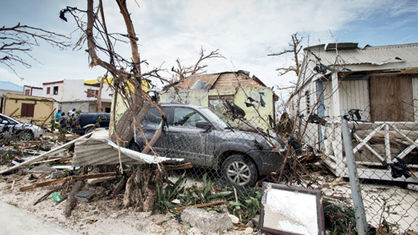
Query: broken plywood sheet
100	150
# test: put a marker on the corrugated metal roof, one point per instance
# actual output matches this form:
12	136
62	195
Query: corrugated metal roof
370	58
99	150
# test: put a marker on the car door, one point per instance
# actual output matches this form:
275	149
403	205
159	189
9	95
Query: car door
150	125
186	139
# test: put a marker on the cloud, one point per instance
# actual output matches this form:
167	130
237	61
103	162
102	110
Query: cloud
244	31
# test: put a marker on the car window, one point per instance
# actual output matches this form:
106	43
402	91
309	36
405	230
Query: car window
154	116
186	117
10	121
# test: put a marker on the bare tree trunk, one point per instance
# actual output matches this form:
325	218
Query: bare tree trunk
99	96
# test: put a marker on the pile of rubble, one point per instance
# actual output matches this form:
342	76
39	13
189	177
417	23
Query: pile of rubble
84	173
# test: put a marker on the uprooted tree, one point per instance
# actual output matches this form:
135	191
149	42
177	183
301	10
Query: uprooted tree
17	42
139	184
128	80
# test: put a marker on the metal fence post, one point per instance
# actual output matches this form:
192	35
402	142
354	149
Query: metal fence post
361	222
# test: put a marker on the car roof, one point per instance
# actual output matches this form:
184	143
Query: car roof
10	118
181	105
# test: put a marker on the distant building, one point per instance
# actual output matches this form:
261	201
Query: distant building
213	90
8	88
32	90
27	108
72	93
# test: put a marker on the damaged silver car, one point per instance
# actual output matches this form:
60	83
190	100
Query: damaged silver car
201	137
10	127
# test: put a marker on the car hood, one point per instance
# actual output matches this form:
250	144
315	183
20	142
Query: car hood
250	136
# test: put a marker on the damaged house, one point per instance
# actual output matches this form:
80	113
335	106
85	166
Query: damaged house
215	90
34	109
378	87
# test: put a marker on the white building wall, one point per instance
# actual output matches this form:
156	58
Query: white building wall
75	90
354	94
37	92
57	97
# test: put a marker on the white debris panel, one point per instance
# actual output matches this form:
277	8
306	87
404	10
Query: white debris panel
100	150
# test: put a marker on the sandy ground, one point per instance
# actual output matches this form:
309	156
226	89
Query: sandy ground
96	217
396	205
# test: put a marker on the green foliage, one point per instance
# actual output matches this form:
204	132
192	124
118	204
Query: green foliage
248	205
167	192
53	124
339	217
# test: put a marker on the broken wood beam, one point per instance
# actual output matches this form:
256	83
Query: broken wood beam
68	178
201	205
72	200
11	115
186	165
48	117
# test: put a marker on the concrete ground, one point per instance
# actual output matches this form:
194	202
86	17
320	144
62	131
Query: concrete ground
17	221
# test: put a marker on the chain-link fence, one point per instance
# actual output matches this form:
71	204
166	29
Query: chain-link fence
226	161
385	147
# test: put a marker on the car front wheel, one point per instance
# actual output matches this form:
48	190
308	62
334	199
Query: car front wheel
240	170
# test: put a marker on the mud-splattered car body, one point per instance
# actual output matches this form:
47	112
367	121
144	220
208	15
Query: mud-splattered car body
201	137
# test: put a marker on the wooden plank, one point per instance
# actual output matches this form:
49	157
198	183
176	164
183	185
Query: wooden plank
391	98
405	136
408	150
370	148
382	174
68	178
365	140
387	144
201	205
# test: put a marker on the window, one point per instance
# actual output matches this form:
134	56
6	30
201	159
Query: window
48	90
153	116
55	90
27	92
216	103
186	117
27	110
92	93
308	102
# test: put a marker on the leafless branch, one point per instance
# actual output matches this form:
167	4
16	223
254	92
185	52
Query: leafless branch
17	41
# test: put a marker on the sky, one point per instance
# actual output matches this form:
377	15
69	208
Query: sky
244	31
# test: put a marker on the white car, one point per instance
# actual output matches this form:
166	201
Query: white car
10	127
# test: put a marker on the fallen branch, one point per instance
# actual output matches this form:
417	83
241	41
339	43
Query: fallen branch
201	205
72	200
68	178
186	165
119	186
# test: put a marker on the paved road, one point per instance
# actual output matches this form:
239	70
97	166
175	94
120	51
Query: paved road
16	221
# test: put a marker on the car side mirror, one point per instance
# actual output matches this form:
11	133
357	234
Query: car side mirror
203	125
4	122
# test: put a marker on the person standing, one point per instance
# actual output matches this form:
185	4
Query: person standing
58	115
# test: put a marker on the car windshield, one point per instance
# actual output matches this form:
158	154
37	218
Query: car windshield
10	120
224	122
